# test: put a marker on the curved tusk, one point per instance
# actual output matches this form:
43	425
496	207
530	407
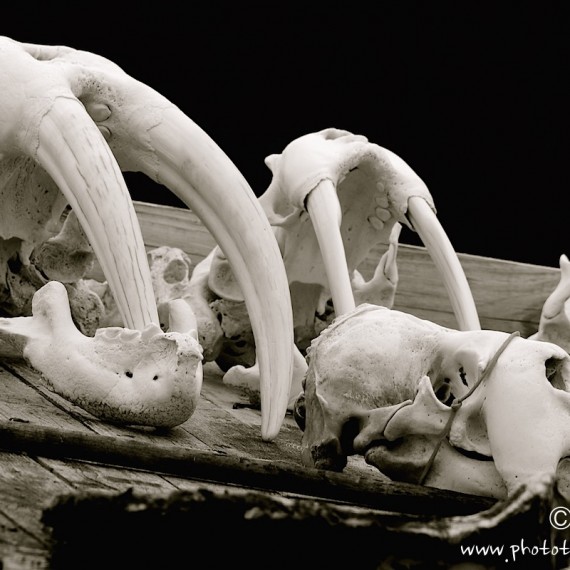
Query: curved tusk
190	164
73	152
435	239
324	210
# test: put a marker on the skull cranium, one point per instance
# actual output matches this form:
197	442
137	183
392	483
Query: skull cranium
381	383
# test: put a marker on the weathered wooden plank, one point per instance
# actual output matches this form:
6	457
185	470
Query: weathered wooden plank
277	476
26	398
85	477
21	557
41	405
176	227
508	295
215	425
19	550
26	488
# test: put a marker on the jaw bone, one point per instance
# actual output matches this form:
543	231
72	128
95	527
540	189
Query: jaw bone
70	121
142	377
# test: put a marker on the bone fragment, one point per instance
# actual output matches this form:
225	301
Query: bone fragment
554	325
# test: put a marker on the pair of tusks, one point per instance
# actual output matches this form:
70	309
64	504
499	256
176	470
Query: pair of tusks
84	120
324	209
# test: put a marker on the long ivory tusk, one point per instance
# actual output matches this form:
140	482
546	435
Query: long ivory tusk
74	153
187	161
325	213
435	239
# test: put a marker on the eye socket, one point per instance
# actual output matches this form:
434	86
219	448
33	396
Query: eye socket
554	368
444	393
350	430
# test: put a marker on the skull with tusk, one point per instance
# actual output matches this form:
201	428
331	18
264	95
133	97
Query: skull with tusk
479	412
333	197
70	123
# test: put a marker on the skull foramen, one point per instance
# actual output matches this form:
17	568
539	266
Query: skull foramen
380	383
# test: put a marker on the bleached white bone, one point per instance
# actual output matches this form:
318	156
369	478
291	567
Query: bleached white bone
554	324
334	195
170	270
381	288
121	375
516	413
67	256
246	379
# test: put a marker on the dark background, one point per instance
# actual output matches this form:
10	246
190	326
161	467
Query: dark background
473	95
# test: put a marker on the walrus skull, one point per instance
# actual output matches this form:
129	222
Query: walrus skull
333	196
381	383
70	122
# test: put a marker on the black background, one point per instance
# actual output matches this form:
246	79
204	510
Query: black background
473	95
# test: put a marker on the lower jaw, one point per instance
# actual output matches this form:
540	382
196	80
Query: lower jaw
409	467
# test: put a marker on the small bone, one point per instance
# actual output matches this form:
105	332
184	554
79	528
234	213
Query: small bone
170	270
86	307
238	347
199	297
66	257
247	379
221	278
554	325
381	289
426	415
22	281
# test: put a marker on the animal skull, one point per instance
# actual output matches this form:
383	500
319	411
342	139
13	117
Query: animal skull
381	382
333	197
70	122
